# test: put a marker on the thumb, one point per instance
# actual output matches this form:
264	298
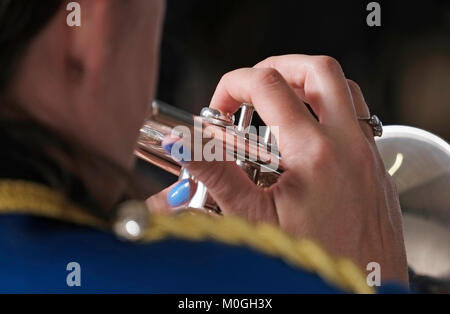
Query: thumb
158	203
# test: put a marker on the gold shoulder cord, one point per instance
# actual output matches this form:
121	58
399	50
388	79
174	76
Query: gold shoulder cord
18	197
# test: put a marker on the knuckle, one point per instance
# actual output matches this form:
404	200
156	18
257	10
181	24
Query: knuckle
225	77
269	77
326	63
231	76
354	86
270	61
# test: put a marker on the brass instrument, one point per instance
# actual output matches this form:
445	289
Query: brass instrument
257	155
418	161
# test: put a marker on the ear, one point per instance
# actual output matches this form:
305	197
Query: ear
87	45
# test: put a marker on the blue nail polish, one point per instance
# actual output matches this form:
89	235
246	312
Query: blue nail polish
168	148
180	155
180	194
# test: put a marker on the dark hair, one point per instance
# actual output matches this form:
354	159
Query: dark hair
26	143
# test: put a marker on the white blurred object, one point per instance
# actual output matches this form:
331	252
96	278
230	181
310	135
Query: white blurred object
419	162
427	244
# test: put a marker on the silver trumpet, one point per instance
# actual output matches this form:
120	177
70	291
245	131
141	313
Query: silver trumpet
418	161
257	155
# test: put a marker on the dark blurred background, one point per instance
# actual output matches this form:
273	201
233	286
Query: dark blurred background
403	67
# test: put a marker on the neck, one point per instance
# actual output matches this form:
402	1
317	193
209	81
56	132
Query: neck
102	179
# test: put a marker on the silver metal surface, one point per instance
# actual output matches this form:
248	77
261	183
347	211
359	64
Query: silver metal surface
251	152
200	197
419	162
245	120
216	117
376	125
131	221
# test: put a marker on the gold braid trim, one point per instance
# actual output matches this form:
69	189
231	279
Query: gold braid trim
18	197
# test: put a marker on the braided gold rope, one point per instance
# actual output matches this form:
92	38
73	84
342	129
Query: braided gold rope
18	197
29	198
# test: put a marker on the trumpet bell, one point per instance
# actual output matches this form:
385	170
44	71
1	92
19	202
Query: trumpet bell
419	163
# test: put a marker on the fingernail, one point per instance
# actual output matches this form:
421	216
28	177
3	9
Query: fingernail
181	155
168	148
180	194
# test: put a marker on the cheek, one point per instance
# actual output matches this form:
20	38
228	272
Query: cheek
148	42
143	64
132	73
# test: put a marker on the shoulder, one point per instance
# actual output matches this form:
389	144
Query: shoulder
39	251
183	254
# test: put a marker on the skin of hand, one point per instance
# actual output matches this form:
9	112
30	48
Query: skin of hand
335	188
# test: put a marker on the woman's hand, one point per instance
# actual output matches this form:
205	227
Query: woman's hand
335	188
